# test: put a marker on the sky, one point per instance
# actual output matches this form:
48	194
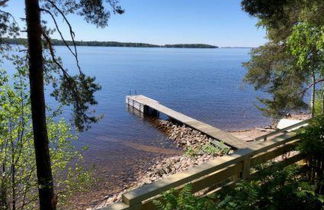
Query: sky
216	22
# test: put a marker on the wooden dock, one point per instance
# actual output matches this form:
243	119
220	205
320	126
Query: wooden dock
152	107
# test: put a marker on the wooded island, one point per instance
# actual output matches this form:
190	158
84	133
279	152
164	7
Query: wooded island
111	44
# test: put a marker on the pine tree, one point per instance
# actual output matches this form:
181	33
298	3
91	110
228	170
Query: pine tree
279	67
77	90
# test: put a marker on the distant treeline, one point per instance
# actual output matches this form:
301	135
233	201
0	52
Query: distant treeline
189	46
57	42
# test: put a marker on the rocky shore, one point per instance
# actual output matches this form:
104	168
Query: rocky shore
197	149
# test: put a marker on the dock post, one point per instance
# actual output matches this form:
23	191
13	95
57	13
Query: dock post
151	112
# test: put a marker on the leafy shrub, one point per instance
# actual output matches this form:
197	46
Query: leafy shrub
18	180
211	149
312	145
192	151
319	104
183	200
312	138
208	148
273	188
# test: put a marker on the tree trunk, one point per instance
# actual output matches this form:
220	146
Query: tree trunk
36	70
313	94
323	100
13	175
3	189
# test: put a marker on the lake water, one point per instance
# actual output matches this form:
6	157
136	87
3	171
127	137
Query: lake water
205	84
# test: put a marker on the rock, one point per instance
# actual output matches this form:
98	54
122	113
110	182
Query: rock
185	138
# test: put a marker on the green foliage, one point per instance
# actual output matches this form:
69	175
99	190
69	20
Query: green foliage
77	90
264	9
184	200
273	188
211	149
71	90
18	182
270	70
292	60
319	103
312	138
192	151
312	145
306	42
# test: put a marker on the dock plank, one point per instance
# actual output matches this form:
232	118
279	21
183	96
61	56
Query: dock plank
205	128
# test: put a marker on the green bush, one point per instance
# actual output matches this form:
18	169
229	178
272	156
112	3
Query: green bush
312	145
172	200
312	138
208	148
319	109
192	151
211	149
274	188
18	180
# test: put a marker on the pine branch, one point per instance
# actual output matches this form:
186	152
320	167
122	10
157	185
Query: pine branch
311	85
50	47
3	2
72	34
63	39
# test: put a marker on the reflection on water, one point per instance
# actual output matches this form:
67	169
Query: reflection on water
134	111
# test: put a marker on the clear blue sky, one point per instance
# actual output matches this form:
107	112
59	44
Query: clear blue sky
217	22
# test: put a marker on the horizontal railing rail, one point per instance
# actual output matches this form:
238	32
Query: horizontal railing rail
283	130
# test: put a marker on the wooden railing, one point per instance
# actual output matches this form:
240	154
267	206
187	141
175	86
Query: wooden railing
221	171
282	131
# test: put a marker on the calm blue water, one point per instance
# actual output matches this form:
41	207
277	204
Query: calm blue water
205	84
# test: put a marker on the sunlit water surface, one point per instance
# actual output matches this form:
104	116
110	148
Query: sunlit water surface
205	84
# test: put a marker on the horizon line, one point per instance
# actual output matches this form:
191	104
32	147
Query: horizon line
147	43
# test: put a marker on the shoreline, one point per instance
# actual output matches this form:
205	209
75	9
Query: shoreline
164	165
186	139
252	133
83	43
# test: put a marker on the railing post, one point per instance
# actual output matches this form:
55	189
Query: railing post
246	167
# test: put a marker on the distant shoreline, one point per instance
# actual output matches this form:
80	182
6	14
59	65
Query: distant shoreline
56	42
